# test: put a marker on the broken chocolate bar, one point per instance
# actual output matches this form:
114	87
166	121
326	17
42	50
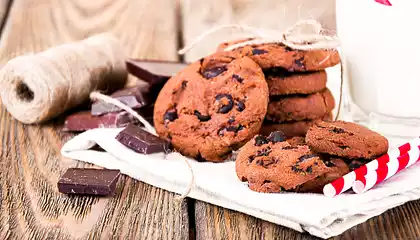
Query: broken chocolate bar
153	72
88	181
135	97
83	121
141	141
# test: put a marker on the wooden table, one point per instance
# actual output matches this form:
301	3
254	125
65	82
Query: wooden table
31	207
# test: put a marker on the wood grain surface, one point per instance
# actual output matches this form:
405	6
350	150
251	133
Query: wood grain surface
31	163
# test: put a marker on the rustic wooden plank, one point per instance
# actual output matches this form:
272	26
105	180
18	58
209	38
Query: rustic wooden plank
213	222
31	164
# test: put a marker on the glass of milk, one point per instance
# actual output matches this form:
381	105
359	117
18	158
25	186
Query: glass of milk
380	48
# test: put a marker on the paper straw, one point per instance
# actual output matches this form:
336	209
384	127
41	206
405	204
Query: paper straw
385	171
347	181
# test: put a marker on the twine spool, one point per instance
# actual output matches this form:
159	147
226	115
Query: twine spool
36	88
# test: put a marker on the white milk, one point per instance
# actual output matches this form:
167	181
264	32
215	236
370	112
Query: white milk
381	55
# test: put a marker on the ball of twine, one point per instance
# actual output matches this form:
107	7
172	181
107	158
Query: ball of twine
38	87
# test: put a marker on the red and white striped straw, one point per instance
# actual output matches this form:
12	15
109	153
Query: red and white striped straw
387	170
346	182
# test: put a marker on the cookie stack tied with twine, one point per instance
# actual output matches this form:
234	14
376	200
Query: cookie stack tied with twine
294	64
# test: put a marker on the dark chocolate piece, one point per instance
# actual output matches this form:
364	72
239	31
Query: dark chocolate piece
153	72
135	97
82	121
88	181
141	141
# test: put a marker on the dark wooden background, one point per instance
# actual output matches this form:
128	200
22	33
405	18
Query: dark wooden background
30	161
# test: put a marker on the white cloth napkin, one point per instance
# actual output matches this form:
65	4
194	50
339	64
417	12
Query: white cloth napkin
218	184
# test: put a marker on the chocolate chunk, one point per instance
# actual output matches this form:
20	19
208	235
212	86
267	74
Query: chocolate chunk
296	169
184	84
135	97
329	164
240	106
82	121
309	169
338	130
202	118
299	62
263	152
237	78
88	181
258	51
171	115
153	72
251	158
276	136
213	72
353	166
226	106
235	129
289	148
308	156
260	140
141	141
231	120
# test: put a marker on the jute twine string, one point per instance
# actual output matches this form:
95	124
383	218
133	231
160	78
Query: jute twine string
38	87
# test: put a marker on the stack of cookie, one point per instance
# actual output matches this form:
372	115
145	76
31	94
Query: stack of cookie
297	84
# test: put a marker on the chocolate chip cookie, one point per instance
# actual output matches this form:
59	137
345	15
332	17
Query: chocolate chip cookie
208	112
346	140
300	107
281	82
294	128
337	168
278	55
270	164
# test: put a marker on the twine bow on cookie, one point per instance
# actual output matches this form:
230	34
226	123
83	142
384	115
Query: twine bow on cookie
304	35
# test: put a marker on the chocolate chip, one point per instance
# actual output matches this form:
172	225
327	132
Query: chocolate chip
237	78
251	158
309	169
263	152
296	169
354	166
266	181
258	51
171	115
329	164
268	163
234	128
231	120
260	140
307	156
202	118
337	130
299	62
343	147
184	84
200	158
240	106
288	49
289	147
213	72
225	108
276	136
